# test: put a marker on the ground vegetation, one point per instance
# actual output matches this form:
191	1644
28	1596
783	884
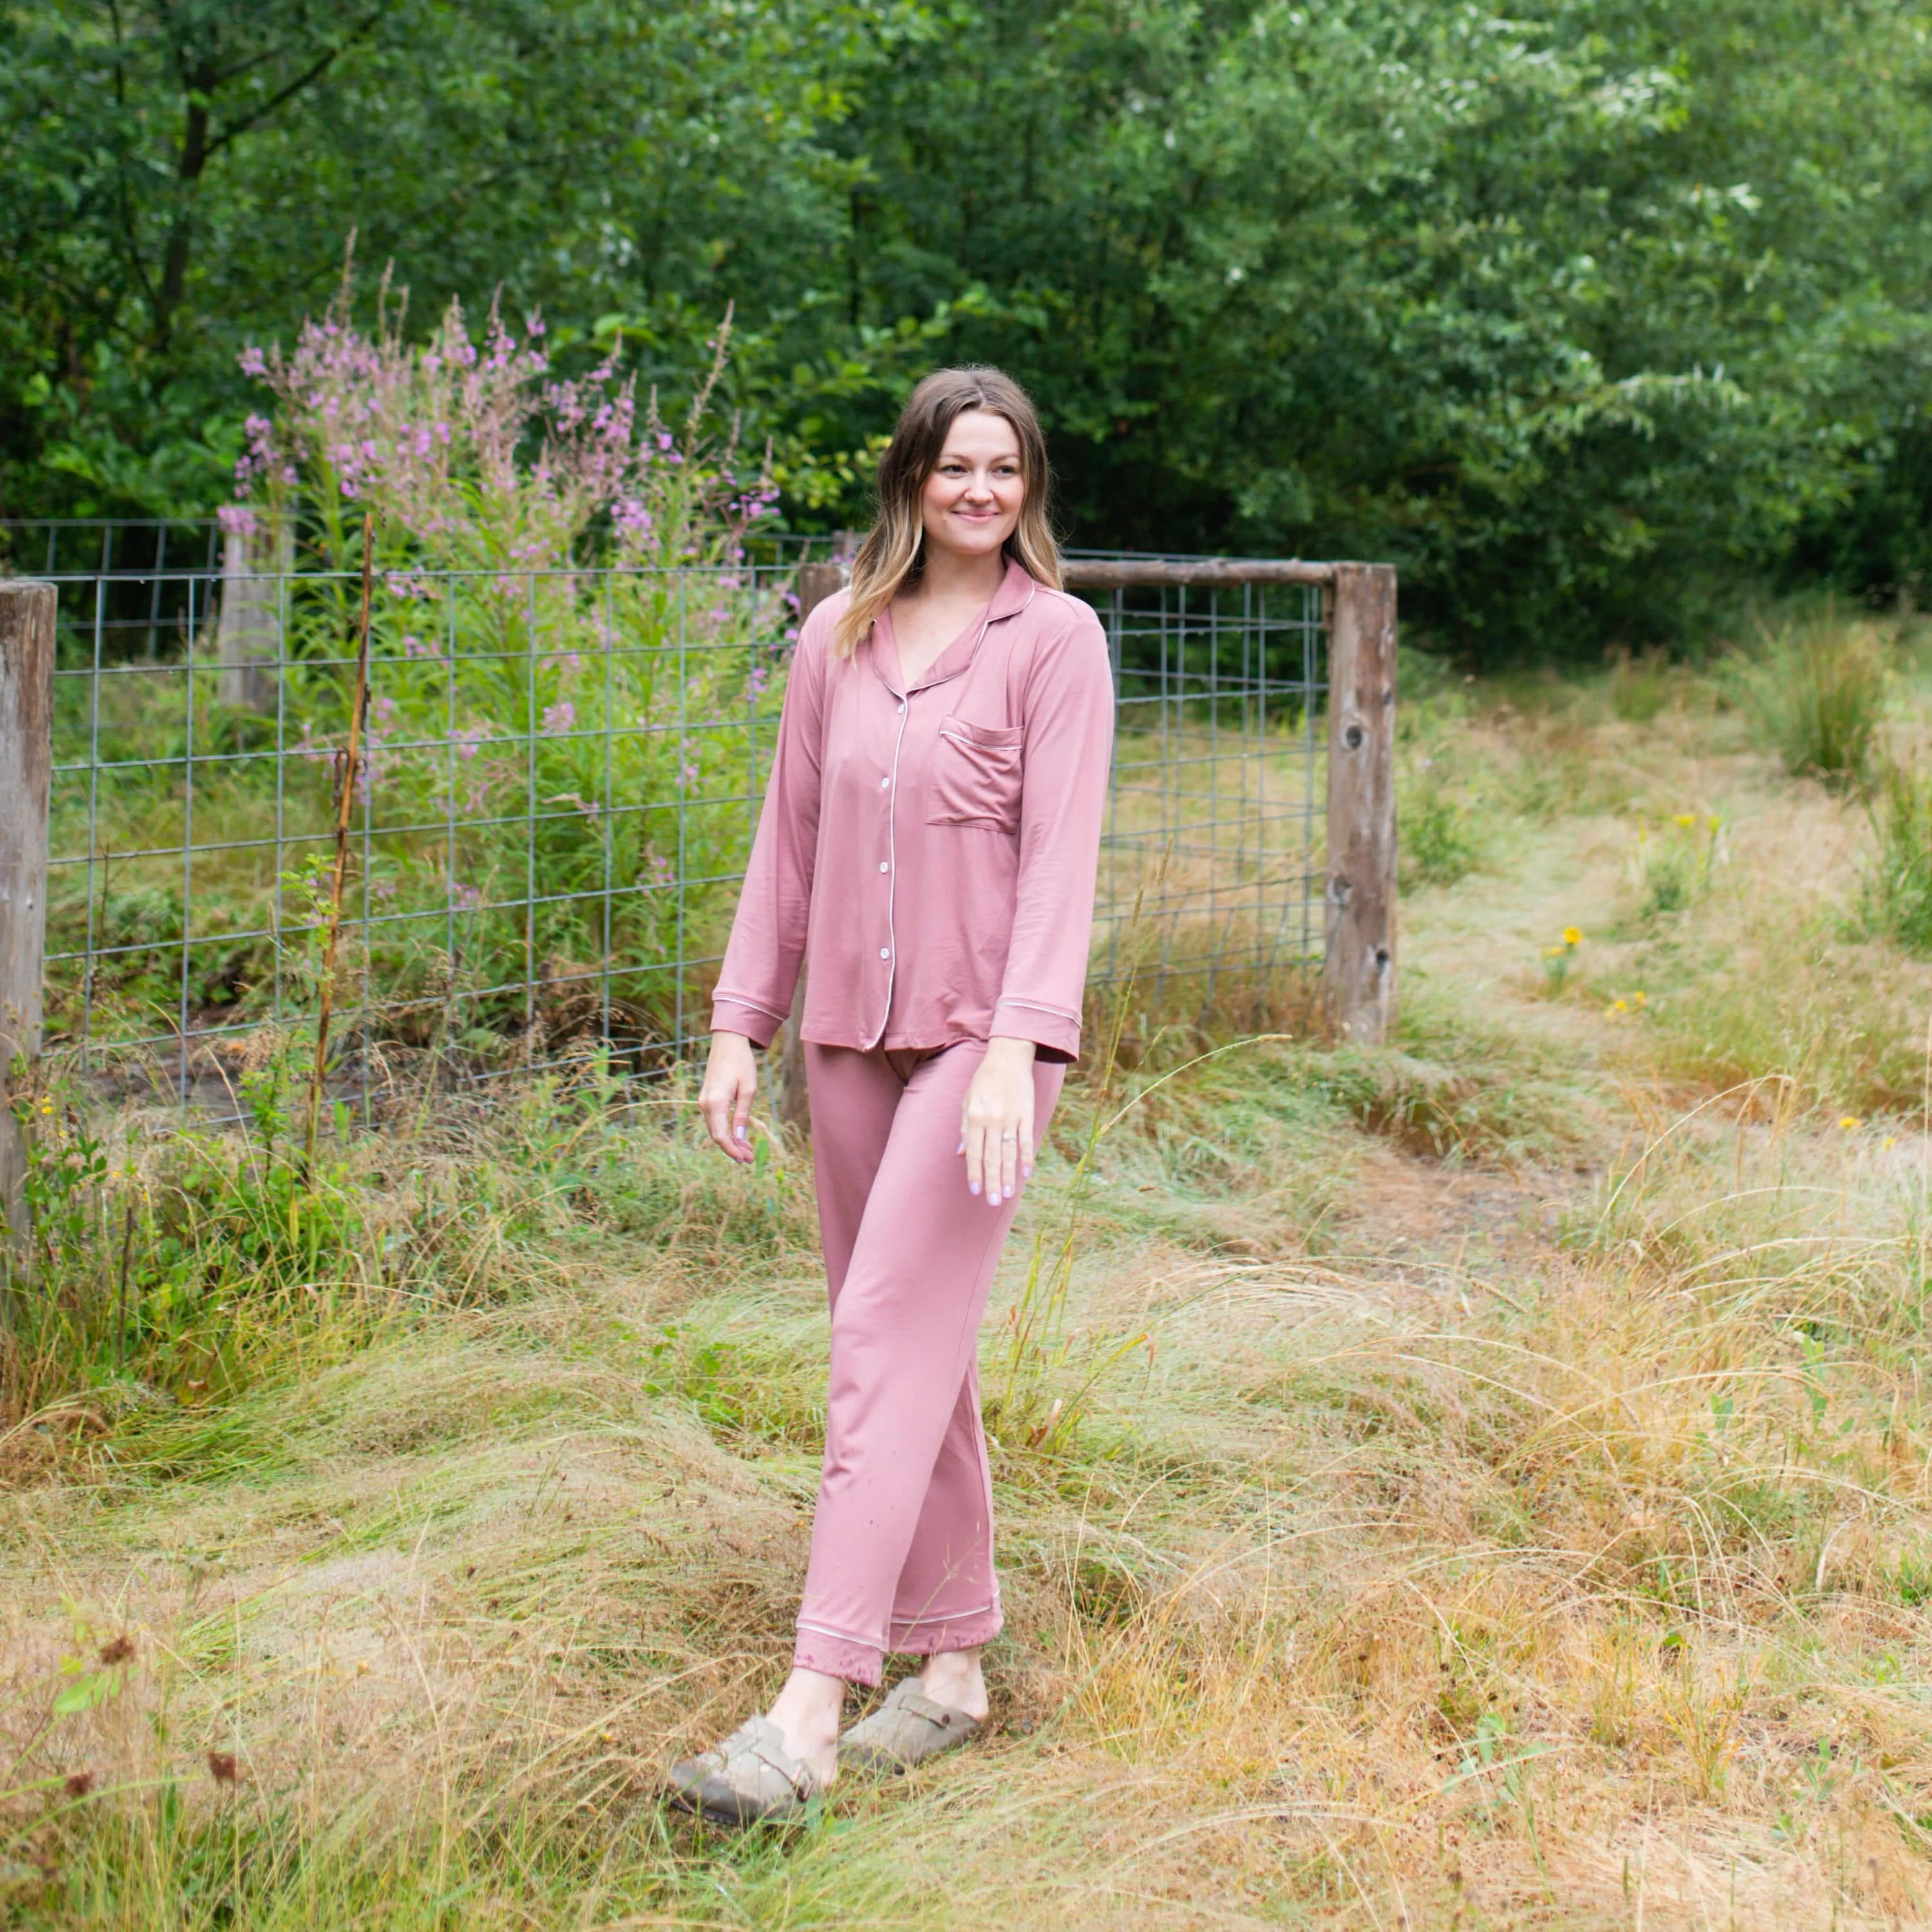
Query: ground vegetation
1479	1481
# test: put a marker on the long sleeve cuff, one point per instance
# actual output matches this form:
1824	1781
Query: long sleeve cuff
1054	1033
759	1024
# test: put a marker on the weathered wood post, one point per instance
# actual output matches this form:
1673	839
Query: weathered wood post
1358	966
248	631
816	582
26	769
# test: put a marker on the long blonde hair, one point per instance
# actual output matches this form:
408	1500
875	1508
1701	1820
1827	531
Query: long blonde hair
893	554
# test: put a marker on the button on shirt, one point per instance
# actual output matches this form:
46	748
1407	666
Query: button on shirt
930	852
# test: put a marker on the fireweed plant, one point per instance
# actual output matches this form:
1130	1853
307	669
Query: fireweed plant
572	668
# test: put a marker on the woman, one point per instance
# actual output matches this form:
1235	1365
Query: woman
928	844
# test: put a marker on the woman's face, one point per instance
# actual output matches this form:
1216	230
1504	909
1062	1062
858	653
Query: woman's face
972	500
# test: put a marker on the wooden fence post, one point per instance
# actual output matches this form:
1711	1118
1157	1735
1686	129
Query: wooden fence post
26	768
1358	966
248	629
816	582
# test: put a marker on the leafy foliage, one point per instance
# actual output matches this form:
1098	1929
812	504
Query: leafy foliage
1578	314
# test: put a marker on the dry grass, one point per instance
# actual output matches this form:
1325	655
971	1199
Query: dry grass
1490	1487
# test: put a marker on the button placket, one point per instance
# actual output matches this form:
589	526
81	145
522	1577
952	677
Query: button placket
888	866
889	785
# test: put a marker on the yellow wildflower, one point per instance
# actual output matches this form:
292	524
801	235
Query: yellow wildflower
1848	1121
1640	996
1571	937
1686	820
1890	1142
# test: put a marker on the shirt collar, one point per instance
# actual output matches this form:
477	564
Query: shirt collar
1014	593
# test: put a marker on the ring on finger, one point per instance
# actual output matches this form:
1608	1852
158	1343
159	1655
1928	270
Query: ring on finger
1011	1134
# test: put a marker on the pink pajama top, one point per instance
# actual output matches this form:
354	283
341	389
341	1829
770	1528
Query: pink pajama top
930	852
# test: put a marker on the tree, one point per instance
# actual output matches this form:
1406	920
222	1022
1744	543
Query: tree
1582	315
187	174
1576	314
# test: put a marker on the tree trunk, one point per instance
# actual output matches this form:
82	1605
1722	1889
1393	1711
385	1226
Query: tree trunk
188	166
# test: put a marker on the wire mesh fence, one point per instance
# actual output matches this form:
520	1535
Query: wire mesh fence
1211	869
135	578
562	773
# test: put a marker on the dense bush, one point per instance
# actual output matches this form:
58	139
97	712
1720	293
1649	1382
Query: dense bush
1578	314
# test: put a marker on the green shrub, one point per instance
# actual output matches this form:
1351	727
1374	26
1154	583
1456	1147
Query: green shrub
173	1277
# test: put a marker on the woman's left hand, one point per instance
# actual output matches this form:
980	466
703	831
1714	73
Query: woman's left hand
996	1129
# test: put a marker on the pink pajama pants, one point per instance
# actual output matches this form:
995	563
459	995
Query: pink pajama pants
902	1544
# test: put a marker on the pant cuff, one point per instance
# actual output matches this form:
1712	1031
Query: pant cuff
929	1636
838	1657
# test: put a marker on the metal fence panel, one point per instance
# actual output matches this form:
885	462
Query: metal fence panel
135	577
563	772
1211	873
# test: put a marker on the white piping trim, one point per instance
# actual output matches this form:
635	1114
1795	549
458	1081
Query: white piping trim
1034	1006
997	745
719	998
949	1617
843	1637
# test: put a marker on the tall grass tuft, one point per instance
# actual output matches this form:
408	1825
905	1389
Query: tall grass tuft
1641	687
1819	693
1896	895
1442	840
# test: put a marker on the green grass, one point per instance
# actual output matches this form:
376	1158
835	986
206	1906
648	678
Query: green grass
1898	895
1481	1480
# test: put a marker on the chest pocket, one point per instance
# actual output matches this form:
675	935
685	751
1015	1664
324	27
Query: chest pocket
975	774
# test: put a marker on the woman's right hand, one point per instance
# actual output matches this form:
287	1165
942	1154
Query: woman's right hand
731	1079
